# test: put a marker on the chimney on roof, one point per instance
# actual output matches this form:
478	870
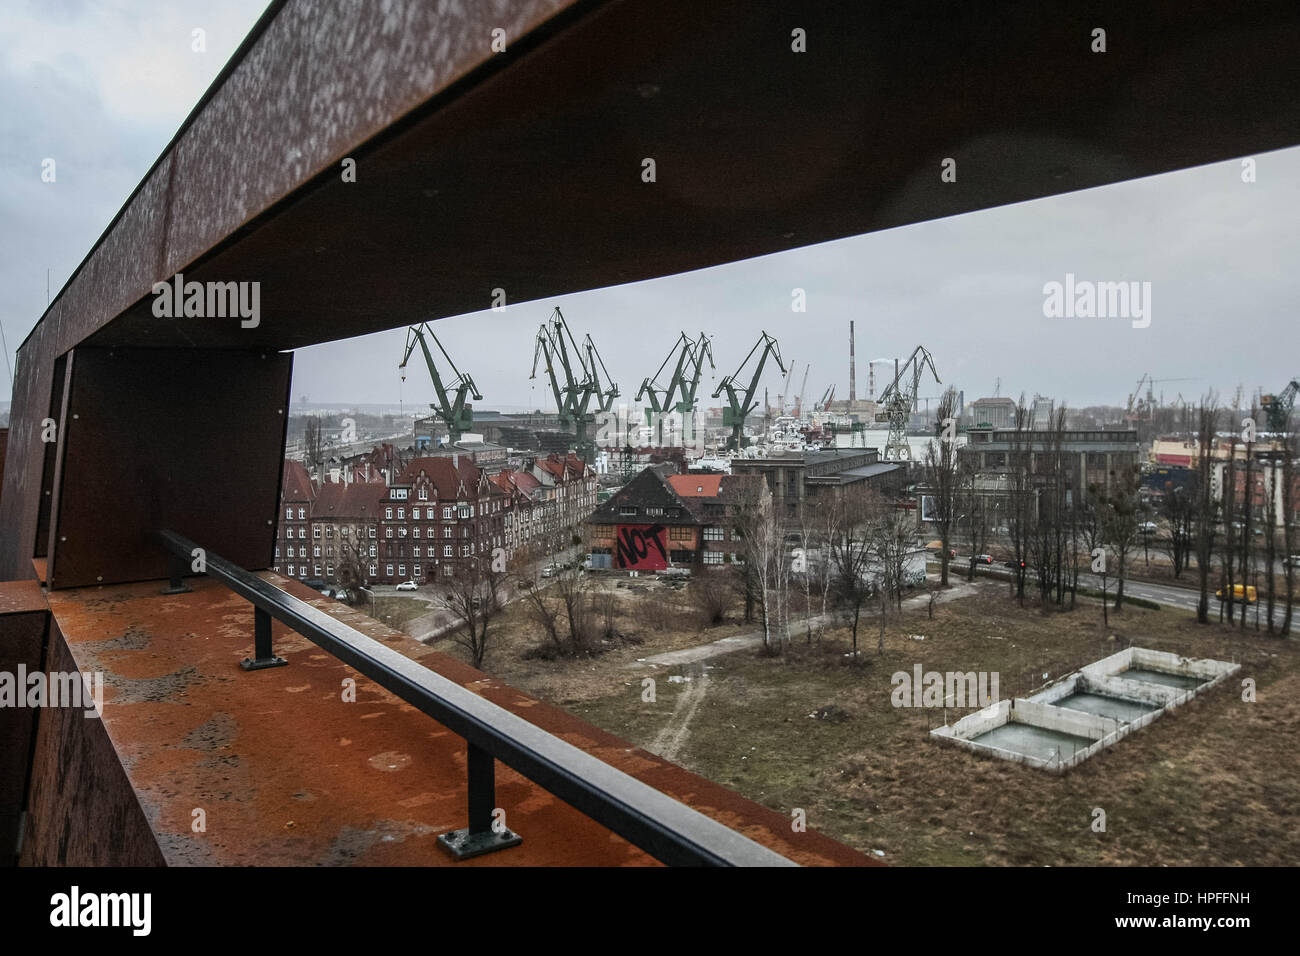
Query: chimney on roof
455	460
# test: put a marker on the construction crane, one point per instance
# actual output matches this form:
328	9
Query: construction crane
1140	407
1277	408
824	404
581	385
899	398
741	403
803	389
453	412
685	379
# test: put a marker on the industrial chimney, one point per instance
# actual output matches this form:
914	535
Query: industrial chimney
853	375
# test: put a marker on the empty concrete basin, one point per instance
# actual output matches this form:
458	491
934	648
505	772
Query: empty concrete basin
1180	681
1041	743
1124	711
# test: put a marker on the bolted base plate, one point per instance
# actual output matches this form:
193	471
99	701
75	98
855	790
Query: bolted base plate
249	664
462	844
183	589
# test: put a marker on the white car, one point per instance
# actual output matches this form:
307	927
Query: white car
1147	526
549	571
407	586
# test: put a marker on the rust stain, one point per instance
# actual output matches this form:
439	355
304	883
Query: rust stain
371	783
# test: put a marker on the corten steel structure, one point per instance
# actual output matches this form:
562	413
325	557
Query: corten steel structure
522	170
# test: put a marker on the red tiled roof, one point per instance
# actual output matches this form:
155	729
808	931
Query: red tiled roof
357	500
297	484
696	486
447	472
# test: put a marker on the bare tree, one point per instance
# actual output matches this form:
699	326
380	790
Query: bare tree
1288	520
1207	426
976	514
314	445
1023	500
762	547
473	596
848	546
353	562
1121	513
942	477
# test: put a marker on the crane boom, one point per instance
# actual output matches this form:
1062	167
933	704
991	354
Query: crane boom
582	366
453	411
899	399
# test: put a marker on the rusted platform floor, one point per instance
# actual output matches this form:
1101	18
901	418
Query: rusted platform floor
286	772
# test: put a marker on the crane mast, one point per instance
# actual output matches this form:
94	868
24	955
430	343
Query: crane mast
740	402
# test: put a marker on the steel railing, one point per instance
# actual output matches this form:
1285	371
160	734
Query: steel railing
664	827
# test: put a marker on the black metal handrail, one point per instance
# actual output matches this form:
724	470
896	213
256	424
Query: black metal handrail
665	828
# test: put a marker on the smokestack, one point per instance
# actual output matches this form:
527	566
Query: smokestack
853	374
871	381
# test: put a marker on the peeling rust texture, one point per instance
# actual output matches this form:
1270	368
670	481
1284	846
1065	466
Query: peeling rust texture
288	772
23	615
522	170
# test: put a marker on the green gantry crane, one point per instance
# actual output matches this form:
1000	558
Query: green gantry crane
899	398
573	396
1277	408
741	403
685	381
453	412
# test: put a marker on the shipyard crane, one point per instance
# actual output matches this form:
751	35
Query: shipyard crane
803	389
741	403
685	379
1277	408
453	412
899	399
581	366
824	404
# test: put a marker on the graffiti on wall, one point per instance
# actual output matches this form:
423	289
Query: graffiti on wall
642	547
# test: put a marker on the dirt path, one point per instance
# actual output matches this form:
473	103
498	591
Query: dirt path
668	742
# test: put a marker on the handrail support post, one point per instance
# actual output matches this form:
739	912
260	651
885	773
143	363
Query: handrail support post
485	833
263	657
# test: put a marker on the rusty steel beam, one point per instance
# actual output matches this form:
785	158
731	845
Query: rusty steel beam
522	171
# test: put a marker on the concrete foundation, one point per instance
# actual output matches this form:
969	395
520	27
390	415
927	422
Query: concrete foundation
1086	711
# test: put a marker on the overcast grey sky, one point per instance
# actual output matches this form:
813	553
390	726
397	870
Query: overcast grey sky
102	87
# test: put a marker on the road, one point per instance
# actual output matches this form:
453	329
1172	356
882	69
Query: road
1164	594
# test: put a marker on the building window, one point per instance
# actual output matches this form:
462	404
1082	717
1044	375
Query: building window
447	514
315	533
302	514
712	557
401	570
315	551
371	571
446	551
388	512
302	552
329	570
388	532
401	532
329	532
415	532
446	532
401	514
464	511
288	514
399	494
627	509
277	552
415	553
415	571
654	512
680	534
424	494
430	532
415	514
315	571
372	552
372	531
713	534
289	570
388	570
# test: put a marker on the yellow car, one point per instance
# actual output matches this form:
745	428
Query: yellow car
1250	594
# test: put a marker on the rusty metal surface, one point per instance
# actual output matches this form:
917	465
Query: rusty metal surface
23	614
521	170
82	810
287	772
160	438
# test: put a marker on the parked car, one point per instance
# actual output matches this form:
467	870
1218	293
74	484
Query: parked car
675	574
549	571
1013	564
1292	562
1147	527
983	559
1251	596
407	586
